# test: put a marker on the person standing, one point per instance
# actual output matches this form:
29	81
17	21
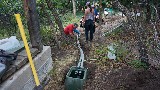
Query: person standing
89	21
95	16
95	12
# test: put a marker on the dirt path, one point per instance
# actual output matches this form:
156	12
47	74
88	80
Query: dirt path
118	76
112	76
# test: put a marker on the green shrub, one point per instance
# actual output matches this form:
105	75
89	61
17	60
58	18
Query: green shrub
121	52
138	64
69	18
47	33
115	32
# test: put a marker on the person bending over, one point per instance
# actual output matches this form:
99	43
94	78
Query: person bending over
71	29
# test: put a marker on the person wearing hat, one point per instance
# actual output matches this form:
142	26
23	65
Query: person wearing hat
89	21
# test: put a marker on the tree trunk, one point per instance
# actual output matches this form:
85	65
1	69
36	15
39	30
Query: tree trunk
100	12
33	24
56	16
157	6
74	8
141	38
148	13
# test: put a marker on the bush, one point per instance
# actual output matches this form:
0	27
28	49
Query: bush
138	64
121	52
69	18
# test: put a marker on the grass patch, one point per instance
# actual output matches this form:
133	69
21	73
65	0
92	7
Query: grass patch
121	52
115	33
138	64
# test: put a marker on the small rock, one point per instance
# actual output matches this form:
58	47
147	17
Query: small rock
96	44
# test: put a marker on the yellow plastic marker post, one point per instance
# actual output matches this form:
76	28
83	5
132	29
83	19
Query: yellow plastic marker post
18	18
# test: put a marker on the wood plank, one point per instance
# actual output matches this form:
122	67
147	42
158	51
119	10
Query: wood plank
10	71
34	52
20	62
22	58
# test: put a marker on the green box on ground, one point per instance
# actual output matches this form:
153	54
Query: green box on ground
75	78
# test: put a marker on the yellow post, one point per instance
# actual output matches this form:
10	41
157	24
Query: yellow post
18	18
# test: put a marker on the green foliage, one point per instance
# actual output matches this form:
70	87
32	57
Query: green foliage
47	33
101	55
121	52
138	64
68	18
102	50
115	32
11	7
8	24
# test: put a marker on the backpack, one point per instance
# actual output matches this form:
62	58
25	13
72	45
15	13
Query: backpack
7	57
6	60
3	69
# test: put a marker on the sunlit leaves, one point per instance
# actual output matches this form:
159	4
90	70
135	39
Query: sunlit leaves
11	6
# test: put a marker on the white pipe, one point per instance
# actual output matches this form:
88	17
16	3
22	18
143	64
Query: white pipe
81	60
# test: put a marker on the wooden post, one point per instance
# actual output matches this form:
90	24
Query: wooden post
33	24
74	8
